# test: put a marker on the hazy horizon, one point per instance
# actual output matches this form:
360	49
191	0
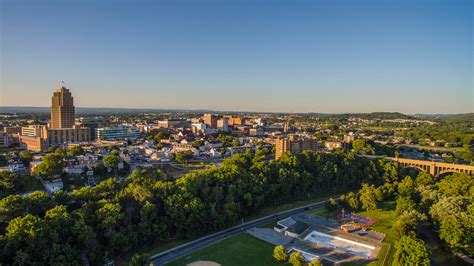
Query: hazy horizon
138	109
305	56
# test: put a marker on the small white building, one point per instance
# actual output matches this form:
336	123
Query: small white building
54	186
16	167
73	170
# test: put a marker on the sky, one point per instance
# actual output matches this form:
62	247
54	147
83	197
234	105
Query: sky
333	56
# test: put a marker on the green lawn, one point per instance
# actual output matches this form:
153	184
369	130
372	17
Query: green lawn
264	212
243	249
240	249
385	216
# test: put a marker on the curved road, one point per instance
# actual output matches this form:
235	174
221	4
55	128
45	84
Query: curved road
179	251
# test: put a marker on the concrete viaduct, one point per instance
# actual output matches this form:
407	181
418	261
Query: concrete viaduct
434	168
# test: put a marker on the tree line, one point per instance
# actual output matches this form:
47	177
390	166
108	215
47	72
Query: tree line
120	216
423	204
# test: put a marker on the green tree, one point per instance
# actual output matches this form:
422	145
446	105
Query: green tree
75	151
406	187
410	250
3	160
120	216
457	184
390	172
111	160
363	146
161	135
51	166
331	204
140	260
25	157
29	234
367	197
424	179
315	262
379	194
184	156
409	221
404	204
454	217
352	201
85	237
296	259
11	183
198	143
279	253
235	143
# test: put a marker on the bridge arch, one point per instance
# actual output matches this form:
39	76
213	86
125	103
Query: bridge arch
445	173
434	168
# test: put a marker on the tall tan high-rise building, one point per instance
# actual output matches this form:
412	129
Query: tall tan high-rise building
295	145
210	120
62	109
62	128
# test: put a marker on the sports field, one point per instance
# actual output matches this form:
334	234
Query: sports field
241	249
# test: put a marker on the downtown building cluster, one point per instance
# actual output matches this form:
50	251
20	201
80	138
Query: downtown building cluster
61	129
64	128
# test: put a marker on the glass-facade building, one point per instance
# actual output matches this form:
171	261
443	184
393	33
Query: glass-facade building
113	133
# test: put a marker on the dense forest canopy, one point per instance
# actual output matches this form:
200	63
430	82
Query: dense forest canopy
442	205
118	216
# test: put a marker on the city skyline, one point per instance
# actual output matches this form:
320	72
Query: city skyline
338	57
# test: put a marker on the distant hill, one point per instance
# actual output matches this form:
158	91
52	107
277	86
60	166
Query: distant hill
469	117
378	115
385	115
92	110
374	115
460	118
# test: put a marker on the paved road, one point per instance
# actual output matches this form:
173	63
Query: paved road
174	253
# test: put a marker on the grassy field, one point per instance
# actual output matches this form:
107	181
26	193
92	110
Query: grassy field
264	212
385	216
241	249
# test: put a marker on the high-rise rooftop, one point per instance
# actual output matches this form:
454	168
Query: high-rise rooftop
62	109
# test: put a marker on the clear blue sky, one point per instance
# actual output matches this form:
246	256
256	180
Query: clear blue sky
301	56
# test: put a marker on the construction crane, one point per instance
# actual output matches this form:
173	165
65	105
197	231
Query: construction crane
286	128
